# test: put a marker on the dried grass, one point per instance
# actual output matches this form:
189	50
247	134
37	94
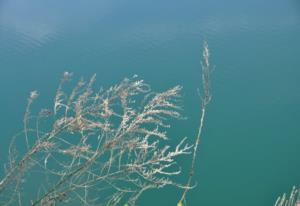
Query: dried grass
104	147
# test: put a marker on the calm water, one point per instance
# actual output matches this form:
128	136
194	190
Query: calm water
249	153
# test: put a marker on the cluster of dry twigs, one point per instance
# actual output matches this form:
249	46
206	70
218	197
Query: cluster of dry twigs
103	147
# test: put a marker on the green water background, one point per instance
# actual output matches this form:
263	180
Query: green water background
249	152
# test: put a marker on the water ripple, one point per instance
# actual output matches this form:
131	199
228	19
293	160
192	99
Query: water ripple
20	40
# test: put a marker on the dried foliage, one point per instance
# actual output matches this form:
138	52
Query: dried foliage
103	147
292	200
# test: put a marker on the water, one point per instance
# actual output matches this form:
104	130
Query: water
249	153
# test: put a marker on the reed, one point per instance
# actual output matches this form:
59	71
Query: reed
293	199
100	147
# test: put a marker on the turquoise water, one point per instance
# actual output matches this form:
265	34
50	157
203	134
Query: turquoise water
249	153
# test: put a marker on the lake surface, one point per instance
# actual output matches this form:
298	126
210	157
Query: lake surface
249	153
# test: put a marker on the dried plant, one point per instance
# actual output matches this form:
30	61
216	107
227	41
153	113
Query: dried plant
292	200
206	97
103	147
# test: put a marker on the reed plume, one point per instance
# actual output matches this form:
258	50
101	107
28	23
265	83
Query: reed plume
100	147
206	98
103	147
289	200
